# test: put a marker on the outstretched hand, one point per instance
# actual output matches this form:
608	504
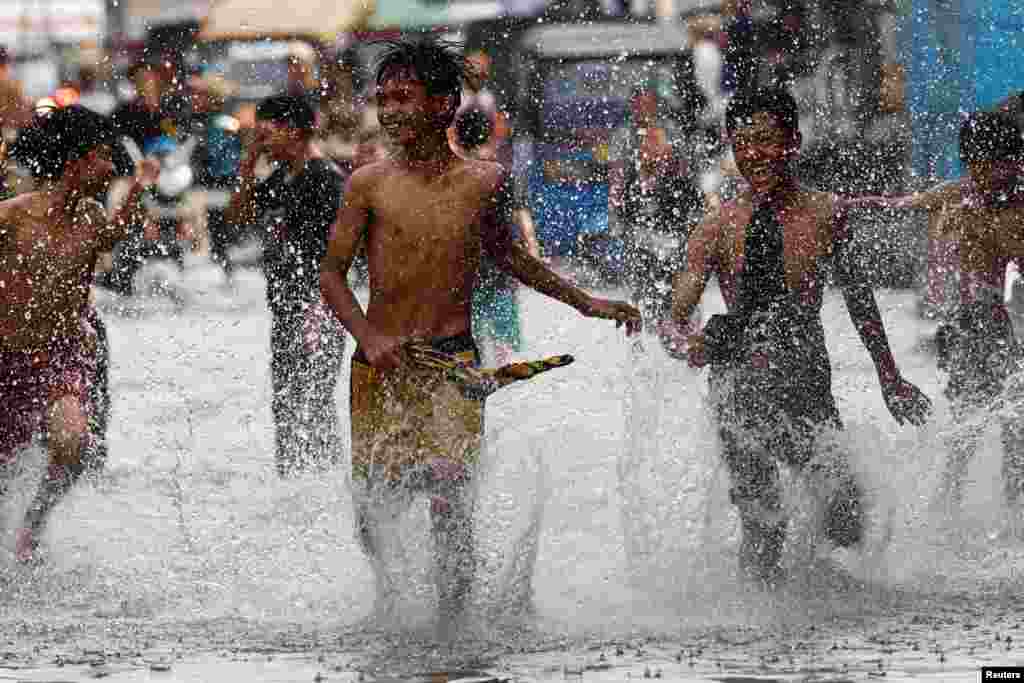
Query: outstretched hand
906	402
619	311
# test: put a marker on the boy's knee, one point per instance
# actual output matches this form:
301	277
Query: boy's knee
67	426
753	480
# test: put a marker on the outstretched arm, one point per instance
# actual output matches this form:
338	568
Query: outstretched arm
688	285
932	199
131	212
524	218
688	288
509	253
904	400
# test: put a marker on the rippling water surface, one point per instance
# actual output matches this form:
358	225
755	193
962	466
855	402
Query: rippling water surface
607	540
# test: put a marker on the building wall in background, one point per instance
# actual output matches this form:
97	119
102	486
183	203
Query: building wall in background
139	16
960	56
32	26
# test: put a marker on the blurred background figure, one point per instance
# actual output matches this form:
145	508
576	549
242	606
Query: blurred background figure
302	76
478	96
15	112
654	198
495	309
158	120
341	118
215	160
91	91
15	108
708	62
141	118
738	46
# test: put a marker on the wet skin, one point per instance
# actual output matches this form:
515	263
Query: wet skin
49	243
425	215
815	230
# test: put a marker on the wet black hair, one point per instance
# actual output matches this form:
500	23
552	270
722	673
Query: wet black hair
59	135
990	136
473	128
296	112
772	100
438	63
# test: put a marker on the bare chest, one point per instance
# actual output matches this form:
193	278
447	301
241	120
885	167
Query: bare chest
988	237
415	222
35	244
428	204
805	245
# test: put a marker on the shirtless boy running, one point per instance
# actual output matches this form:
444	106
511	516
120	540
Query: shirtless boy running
770	371
49	242
425	214
983	216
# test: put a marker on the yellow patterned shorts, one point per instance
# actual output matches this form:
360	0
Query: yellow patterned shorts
412	417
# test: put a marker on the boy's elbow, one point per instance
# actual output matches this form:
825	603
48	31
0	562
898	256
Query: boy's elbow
328	271
327	281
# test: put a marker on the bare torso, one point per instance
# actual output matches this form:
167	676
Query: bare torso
808	220
423	246
989	237
46	267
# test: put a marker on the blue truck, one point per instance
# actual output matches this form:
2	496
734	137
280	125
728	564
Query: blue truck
575	82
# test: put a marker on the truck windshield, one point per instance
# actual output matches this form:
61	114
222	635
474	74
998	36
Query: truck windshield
595	93
258	67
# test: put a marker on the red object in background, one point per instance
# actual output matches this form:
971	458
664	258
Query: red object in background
65	97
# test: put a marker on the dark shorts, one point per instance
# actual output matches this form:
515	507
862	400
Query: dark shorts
980	351
773	400
413	419
774	405
777	393
31	381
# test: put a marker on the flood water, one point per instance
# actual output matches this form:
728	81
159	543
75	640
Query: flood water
607	543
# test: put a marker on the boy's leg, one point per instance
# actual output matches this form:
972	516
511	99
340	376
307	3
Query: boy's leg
378	503
451	513
67	428
962	445
94	454
286	365
367	536
755	493
321	409
843	523
1013	473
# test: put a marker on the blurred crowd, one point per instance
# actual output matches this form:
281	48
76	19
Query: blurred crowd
160	99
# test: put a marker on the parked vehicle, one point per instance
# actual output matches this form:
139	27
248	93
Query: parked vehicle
576	82
260	66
